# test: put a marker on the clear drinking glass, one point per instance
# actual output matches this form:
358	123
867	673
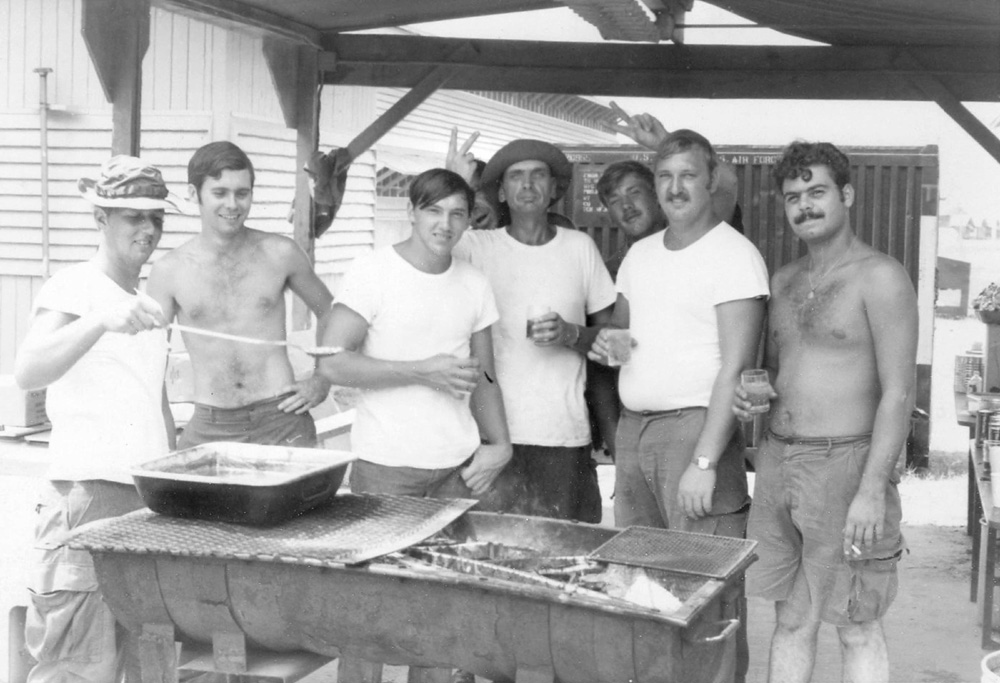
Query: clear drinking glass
534	312
758	388
619	347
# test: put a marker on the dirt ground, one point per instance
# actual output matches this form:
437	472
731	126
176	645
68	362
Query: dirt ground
932	630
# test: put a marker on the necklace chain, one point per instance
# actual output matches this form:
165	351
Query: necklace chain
812	287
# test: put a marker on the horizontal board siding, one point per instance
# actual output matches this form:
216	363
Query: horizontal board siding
429	125
77	146
190	64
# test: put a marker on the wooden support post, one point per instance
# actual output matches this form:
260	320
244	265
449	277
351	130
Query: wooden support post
116	33
419	674
229	652
158	654
353	670
295	74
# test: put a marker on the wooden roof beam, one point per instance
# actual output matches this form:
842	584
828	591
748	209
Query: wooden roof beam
939	92
713	71
235	14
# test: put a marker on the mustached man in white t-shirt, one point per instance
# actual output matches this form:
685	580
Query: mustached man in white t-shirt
693	297
415	325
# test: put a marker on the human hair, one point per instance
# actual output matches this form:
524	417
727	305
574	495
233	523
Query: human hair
797	157
617	172
436	184
209	161
477	174
681	141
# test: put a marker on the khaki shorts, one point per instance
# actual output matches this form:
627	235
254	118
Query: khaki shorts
803	490
260	422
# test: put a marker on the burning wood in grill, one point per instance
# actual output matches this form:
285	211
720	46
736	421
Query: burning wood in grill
577	575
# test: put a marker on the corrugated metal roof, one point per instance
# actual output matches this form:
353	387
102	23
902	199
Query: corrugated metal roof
847	22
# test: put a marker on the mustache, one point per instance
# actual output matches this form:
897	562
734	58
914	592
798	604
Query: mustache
808	215
679	195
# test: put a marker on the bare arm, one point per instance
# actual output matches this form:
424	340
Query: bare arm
348	329
488	410
739	333
304	282
56	340
741	400
160	288
891	309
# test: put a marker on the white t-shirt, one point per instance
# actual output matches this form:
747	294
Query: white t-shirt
106	411
542	385
413	315
672	297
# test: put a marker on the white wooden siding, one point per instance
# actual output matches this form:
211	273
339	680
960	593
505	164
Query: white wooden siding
428	126
200	82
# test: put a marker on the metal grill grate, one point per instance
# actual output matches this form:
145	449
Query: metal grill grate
718	557
351	529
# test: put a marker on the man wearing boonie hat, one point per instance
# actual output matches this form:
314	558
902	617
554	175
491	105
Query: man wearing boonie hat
550	284
231	278
99	345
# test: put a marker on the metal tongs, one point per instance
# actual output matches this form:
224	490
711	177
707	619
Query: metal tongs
315	351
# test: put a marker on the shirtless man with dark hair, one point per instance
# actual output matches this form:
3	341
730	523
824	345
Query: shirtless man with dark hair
841	354
232	279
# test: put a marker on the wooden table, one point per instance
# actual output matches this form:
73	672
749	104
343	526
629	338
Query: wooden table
984	547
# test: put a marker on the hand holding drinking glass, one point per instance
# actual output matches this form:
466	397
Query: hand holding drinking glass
758	390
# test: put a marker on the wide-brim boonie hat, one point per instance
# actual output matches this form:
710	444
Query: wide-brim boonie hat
525	150
127	182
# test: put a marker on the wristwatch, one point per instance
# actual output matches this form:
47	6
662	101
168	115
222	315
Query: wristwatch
703	463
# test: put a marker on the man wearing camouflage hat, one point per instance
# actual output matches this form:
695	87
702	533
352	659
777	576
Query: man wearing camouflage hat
99	345
550	282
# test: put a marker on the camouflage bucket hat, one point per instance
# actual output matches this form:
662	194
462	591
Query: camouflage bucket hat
128	183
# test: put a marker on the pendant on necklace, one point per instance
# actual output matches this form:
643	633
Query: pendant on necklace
812	294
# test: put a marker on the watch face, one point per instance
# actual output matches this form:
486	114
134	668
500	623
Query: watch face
702	463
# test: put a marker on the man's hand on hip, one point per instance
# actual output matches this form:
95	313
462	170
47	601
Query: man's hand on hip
306	394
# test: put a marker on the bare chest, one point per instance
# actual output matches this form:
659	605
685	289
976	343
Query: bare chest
829	316
219	291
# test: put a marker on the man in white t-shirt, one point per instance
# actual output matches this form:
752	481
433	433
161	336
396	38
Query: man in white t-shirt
554	279
415	326
97	343
693	296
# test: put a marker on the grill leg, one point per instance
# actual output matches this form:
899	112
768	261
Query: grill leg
419	674
351	670
158	654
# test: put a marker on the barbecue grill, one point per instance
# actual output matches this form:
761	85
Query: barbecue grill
418	582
